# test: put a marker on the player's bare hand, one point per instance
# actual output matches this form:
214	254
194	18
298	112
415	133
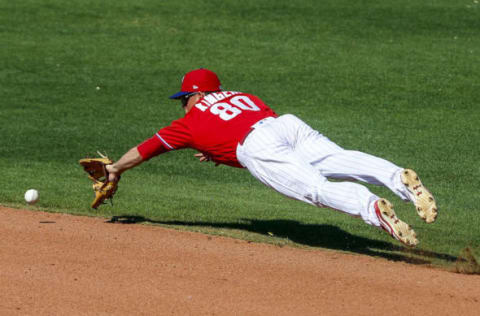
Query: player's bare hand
204	157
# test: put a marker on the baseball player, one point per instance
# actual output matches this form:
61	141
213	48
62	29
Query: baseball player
284	153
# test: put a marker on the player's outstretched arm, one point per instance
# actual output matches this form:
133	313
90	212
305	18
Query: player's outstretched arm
129	160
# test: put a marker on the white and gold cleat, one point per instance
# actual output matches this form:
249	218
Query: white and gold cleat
422	198
394	226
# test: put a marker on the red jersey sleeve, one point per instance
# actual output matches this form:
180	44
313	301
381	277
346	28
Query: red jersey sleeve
175	136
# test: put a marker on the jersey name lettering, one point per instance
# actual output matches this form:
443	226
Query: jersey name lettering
217	96
229	109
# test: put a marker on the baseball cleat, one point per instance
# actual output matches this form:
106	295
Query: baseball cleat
422	198
394	226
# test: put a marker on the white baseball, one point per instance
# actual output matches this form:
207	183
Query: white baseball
31	196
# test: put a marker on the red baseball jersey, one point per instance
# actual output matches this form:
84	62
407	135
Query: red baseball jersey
214	126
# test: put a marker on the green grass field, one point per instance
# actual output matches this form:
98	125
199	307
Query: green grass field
397	79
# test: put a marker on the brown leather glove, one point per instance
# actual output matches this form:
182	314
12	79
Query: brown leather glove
97	172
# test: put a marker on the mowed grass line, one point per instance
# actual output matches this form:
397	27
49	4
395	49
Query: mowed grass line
395	79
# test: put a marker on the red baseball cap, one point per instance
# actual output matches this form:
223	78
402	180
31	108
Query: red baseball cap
199	80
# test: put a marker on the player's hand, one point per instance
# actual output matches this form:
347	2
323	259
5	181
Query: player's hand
203	157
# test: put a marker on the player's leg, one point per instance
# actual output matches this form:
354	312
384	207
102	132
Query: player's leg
271	158
279	168
332	161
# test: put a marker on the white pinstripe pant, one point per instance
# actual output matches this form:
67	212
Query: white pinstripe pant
289	156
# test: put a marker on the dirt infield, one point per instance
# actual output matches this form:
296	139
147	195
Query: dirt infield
55	264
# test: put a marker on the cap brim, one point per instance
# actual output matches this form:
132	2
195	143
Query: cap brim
179	95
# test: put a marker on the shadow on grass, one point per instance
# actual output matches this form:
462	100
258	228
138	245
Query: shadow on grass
313	235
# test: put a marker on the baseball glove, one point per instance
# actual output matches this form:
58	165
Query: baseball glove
97	172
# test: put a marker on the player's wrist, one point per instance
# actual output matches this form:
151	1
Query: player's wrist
113	169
